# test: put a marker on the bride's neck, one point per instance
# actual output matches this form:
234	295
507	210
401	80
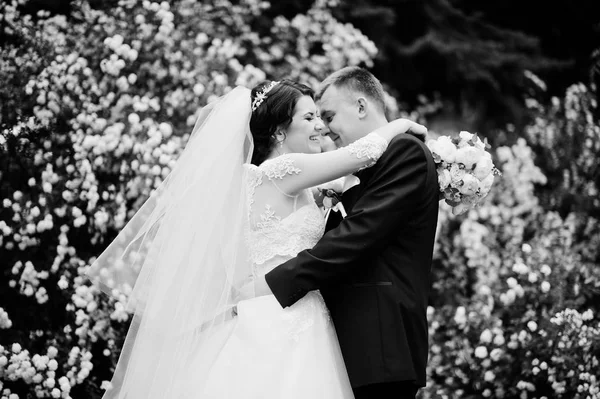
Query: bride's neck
276	152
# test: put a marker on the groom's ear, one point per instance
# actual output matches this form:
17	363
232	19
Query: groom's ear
362	105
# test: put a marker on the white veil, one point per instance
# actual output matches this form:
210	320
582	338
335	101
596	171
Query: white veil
183	253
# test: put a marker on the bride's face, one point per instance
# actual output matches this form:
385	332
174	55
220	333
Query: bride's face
303	133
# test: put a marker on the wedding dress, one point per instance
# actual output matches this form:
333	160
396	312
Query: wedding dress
267	351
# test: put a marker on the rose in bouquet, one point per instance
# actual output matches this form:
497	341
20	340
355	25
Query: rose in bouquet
465	170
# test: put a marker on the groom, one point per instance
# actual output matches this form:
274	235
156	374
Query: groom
373	267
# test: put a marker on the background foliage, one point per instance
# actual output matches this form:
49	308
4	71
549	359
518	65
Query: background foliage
97	100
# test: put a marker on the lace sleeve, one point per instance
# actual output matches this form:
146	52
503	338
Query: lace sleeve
295	172
372	146
278	168
253	176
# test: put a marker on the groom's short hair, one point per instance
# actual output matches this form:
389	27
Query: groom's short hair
358	80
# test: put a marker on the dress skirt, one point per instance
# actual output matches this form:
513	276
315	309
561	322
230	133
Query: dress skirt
270	352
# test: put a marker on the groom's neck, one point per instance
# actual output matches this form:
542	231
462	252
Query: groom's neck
375	122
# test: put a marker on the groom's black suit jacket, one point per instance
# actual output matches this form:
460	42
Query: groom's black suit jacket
374	268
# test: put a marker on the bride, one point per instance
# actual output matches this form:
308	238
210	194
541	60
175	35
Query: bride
238	203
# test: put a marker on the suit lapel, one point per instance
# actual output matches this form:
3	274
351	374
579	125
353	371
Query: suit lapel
350	197
333	220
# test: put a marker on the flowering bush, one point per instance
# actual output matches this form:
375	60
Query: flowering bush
515	306
95	108
566	135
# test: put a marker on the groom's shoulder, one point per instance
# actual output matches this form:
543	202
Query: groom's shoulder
407	139
403	142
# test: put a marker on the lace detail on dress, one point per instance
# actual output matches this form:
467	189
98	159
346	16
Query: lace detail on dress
277	168
254	179
371	146
284	237
267	218
300	316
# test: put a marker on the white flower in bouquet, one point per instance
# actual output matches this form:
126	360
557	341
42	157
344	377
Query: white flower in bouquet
433	146
470	185
443	149
456	174
483	167
468	156
444	179
463	139
471	139
479	144
486	185
465	136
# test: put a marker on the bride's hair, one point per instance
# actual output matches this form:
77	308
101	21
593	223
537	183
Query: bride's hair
274	112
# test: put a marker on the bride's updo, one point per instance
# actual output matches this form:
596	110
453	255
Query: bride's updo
273	113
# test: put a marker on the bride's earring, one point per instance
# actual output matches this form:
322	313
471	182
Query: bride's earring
281	140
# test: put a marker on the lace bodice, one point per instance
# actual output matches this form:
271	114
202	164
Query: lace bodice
272	239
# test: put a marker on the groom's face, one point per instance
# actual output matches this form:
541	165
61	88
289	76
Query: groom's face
340	113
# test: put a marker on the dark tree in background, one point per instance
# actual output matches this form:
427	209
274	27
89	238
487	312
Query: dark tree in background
473	53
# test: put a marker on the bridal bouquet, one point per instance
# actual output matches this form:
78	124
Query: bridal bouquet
465	170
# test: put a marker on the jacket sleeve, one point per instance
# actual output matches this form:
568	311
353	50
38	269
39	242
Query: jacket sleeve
391	195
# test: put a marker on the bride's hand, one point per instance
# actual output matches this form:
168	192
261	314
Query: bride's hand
407	126
399	126
419	133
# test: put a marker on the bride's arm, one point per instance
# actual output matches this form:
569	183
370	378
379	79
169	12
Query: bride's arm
295	172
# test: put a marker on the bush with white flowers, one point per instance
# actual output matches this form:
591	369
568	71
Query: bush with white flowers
516	286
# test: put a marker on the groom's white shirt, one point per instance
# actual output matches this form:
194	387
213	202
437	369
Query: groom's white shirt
349	182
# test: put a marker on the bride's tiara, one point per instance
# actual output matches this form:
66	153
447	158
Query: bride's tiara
262	95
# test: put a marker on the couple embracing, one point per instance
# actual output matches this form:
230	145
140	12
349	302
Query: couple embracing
243	289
